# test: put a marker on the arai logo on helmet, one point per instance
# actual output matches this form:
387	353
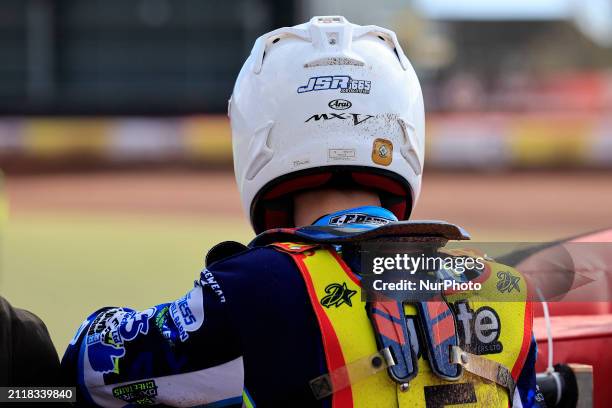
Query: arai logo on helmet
340	104
345	83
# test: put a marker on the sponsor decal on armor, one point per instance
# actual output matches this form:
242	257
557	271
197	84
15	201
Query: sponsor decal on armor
357	118
357	218
340	104
507	282
382	152
138	393
479	331
337	295
344	83
188	312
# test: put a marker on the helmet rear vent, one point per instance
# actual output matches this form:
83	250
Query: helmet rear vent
334	61
391	44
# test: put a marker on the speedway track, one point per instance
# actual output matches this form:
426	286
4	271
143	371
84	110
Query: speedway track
510	206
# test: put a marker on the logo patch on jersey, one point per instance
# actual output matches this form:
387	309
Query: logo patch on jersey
357	218
382	152
188	312
344	83
337	295
138	393
479	331
165	324
109	332
208	279
507	282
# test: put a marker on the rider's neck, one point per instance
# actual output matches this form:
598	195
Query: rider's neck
312	204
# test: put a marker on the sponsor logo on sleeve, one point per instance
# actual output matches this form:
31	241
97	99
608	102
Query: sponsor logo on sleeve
109	332
138	393
208	279
188	312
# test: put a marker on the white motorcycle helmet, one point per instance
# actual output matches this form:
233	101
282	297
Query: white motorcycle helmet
327	103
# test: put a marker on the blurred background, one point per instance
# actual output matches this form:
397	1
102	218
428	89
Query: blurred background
116	148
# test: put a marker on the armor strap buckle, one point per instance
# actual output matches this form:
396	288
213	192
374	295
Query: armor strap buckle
484	368
351	373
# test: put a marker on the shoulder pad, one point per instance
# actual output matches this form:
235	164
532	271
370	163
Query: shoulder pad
224	250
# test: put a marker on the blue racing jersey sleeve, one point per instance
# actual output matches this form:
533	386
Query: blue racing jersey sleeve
182	353
246	325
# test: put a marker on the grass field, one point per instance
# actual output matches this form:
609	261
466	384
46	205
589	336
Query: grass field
76	243
63	267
